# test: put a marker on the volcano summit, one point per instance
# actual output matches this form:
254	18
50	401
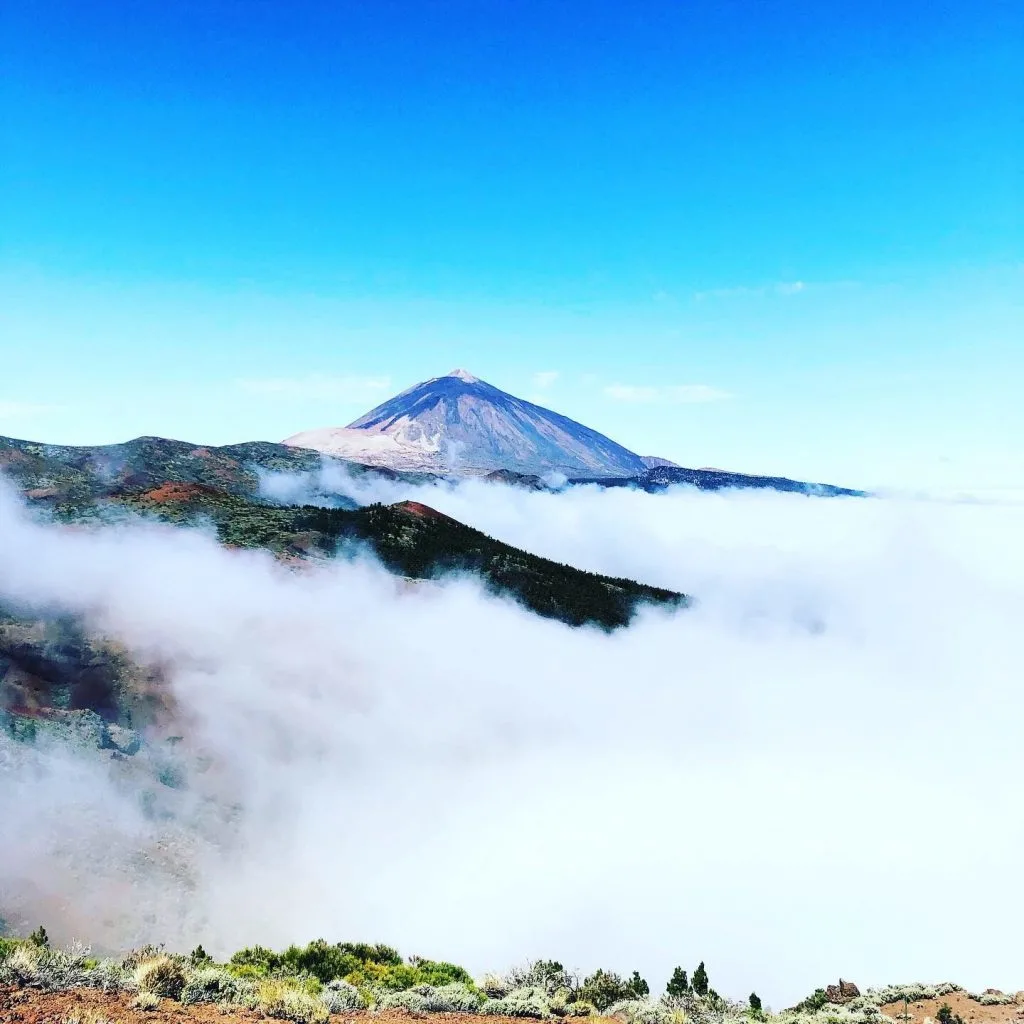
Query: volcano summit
461	425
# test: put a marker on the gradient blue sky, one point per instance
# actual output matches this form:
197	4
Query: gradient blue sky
772	236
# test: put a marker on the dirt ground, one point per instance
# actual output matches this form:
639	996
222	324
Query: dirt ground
925	1009
28	1006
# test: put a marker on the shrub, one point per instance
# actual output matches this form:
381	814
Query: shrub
992	998
372	953
407	999
439	973
389	977
40	938
495	985
339	996
146	1001
454	998
605	988
108	976
21	967
213	985
912	993
7	947
284	1000
320	959
520	1002
137	956
641	1011
256	961
813	1002
52	970
63	969
549	975
89	1017
580	1008
162	975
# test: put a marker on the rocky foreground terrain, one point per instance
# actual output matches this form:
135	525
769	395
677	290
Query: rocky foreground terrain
321	982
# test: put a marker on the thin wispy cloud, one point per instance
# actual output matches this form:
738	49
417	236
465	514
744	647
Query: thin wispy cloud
680	393
15	410
545	379
784	288
316	386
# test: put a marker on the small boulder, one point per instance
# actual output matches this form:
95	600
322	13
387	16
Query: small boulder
841	993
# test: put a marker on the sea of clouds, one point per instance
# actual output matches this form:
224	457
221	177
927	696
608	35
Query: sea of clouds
813	771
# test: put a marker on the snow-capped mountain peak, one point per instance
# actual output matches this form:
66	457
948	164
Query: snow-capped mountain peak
464	375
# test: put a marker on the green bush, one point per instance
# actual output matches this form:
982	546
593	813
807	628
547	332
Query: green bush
813	1002
339	996
146	1001
604	988
580	1008
439	973
8	946
521	1002
282	999
550	975
162	975
210	984
454	998
255	961
368	953
390	977
409	1000
320	959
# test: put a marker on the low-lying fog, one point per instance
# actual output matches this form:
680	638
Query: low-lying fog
814	771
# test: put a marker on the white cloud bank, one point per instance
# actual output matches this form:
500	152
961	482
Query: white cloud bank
815	771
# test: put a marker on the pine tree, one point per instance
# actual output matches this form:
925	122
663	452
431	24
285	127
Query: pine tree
638	986
679	984
700	980
40	938
755	1002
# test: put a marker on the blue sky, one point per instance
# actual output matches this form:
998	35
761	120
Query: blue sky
775	236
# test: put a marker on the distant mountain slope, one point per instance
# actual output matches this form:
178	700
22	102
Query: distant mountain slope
663	476
185	484
461	425
64	473
414	541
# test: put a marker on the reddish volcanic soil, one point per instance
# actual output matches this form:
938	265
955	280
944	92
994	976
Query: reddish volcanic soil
960	1003
28	1006
171	492
415	508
